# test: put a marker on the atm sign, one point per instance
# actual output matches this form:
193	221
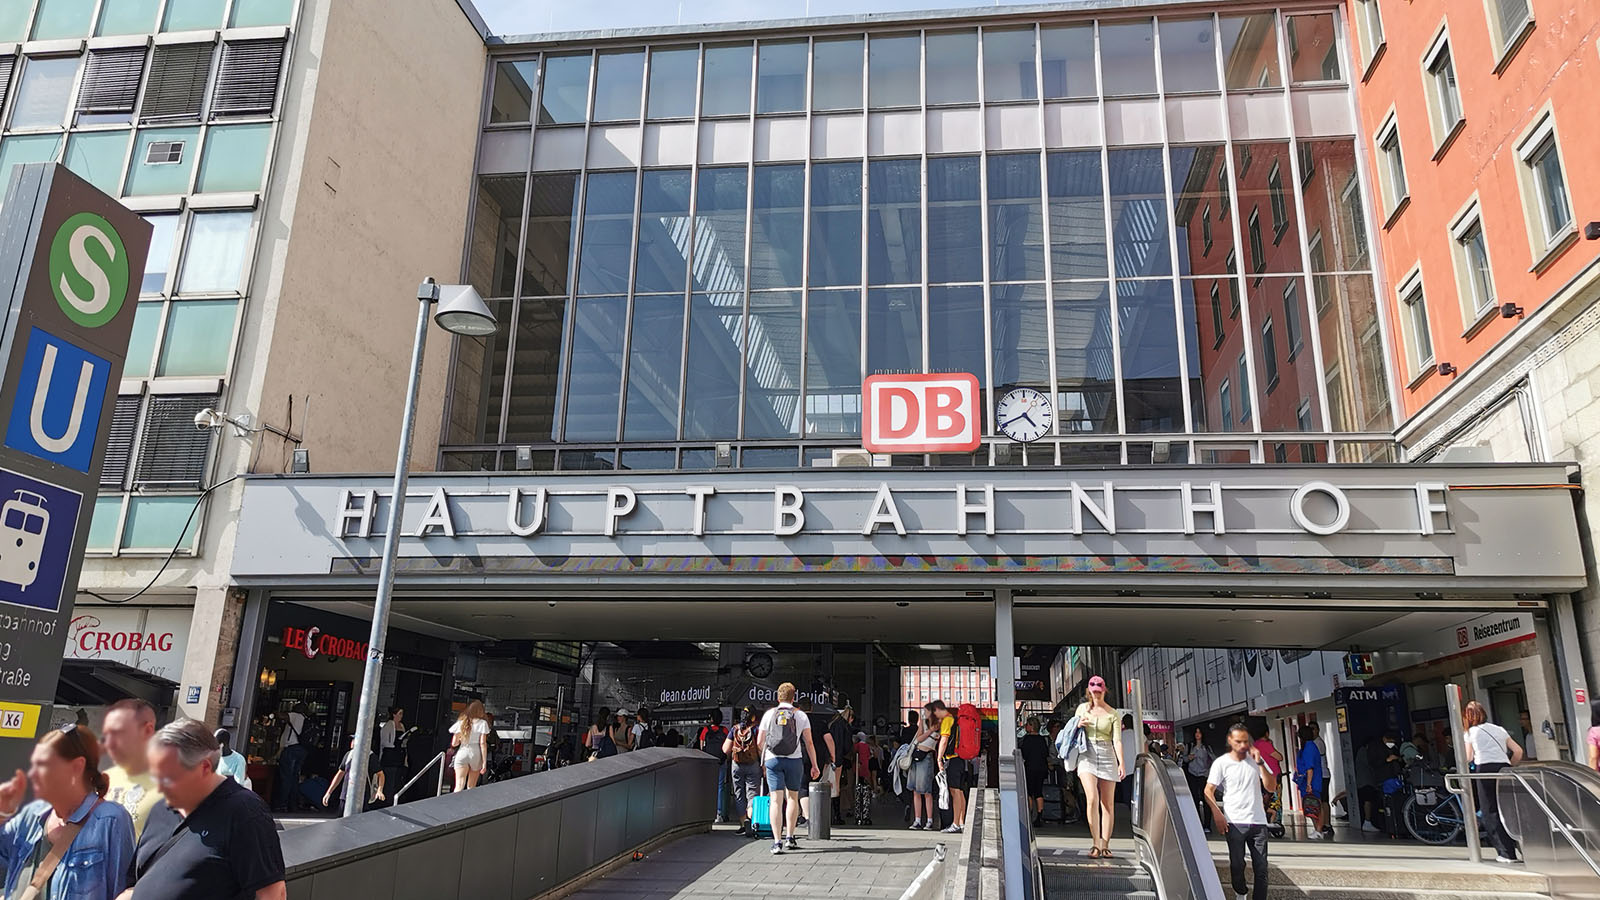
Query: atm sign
920	413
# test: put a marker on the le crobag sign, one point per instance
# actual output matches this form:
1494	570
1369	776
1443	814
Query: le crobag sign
920	413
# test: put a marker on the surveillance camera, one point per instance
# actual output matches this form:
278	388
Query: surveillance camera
206	419
552	603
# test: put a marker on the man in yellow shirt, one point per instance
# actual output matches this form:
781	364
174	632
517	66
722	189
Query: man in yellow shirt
125	735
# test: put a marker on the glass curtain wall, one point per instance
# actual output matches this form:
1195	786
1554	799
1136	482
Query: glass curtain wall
1196	288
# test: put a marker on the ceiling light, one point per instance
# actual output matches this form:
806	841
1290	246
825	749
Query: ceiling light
930	646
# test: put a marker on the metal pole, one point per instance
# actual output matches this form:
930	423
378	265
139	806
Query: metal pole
1005	671
1469	800
1136	700
355	792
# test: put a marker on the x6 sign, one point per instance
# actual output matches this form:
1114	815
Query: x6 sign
921	413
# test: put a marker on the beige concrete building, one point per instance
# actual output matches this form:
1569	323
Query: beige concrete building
304	169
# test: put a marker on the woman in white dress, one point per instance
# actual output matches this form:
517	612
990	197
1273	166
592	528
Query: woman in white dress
470	736
1101	767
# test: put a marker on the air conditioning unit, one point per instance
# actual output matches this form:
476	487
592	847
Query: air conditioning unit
854	458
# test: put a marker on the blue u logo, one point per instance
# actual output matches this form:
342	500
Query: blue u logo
60	394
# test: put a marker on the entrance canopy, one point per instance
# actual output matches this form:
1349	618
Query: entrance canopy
1318	533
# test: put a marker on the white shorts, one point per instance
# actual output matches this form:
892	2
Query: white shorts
468	757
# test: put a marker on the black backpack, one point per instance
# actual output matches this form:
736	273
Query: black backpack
783	738
647	738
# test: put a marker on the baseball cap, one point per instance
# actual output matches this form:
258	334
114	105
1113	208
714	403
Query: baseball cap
1097	683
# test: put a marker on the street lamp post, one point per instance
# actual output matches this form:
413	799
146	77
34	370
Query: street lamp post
460	311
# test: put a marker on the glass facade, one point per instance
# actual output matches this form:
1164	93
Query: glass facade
166	120
716	243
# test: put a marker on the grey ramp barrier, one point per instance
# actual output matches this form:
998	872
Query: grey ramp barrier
514	840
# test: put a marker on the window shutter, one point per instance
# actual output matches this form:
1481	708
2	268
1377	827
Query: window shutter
172	452
1512	14
119	445
178	76
8	64
111	81
247	83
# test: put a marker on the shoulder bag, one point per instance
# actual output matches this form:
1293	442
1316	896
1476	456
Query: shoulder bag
58	849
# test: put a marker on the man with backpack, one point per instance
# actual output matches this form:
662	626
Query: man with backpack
785	739
643	732
839	750
710	741
960	734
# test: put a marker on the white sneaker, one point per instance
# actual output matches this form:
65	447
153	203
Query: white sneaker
953	829
1241	897
1314	835
1506	859
1368	827
917	825
777	848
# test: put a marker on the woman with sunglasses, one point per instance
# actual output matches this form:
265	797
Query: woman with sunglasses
68	842
1101	767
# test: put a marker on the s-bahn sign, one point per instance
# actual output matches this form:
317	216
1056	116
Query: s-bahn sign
1430	528
70	262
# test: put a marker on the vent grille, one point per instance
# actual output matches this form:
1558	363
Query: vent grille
163	153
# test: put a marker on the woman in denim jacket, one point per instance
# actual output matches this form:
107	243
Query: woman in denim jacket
68	784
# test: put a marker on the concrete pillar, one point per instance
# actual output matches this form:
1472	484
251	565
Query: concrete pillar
1570	679
213	644
1005	653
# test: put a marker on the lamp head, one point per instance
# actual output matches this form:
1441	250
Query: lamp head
461	311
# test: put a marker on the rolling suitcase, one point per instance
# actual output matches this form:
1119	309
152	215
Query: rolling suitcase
863	804
1055	807
761	816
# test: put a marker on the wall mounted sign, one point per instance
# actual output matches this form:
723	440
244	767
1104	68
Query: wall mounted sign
312	643
920	413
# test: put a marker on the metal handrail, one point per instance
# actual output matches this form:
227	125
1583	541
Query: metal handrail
1167	829
1022	877
1455	784
438	787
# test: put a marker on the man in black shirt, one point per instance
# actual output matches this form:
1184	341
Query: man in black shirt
208	838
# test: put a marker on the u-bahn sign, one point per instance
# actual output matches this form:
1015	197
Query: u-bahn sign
70	258
1419	528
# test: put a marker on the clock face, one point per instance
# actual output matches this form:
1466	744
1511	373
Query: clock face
1024	415
759	665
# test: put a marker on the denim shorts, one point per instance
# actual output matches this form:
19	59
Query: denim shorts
784	774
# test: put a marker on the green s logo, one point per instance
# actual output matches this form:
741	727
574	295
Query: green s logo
88	270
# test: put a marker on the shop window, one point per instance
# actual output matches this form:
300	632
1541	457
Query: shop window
56	19
193	15
44	92
127	17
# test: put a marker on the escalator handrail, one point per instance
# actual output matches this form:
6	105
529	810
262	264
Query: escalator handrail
1576	775
1184	819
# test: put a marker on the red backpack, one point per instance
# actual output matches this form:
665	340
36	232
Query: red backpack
968	731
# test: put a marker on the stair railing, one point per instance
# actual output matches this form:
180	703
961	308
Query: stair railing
1167	832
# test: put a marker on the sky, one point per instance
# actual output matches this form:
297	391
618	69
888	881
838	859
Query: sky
532	16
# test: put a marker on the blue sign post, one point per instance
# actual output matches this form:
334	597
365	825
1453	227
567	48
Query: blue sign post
71	259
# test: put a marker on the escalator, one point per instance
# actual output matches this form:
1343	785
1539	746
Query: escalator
1081	878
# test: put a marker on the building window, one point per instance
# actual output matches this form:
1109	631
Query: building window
1269	355
176	88
1444	97
1233	285
1225	404
1280	211
1205	228
1291	317
1369	30
1509	22
44	91
1474	278
1391	166
1308	162
1216	314
1223	189
1355	222
1544	188
1414	325
1244	392
1257	254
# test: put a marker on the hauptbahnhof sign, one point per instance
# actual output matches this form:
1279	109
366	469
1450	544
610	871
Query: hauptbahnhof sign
1507	529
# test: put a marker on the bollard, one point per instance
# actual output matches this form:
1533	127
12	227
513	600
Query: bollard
819	811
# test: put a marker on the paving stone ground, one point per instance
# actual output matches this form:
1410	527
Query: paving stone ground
856	864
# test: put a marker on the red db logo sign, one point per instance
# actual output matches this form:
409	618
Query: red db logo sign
920	413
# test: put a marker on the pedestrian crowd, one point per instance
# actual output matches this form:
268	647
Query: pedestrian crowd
168	820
